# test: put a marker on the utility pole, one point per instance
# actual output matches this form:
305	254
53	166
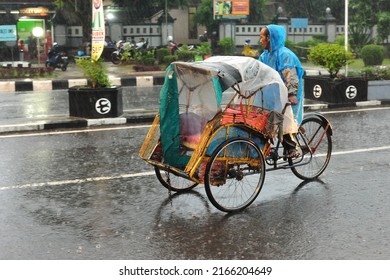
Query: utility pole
166	18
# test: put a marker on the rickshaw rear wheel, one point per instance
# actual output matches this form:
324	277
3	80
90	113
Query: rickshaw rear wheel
315	147
173	182
234	174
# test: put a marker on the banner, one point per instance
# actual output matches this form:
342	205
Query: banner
98	29
8	33
299	22
231	9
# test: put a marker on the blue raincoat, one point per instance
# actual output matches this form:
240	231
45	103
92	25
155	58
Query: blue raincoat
281	58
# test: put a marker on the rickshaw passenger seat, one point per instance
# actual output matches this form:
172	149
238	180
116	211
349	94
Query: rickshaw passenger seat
191	128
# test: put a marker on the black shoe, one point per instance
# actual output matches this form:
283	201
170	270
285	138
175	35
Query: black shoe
291	153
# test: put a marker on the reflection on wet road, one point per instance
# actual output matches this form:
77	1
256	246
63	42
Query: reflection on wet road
86	195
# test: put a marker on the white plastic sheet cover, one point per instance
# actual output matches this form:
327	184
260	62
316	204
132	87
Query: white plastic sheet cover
265	82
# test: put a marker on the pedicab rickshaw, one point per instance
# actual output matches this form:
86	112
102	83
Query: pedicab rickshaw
220	124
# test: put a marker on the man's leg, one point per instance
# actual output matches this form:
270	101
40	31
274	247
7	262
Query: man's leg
290	146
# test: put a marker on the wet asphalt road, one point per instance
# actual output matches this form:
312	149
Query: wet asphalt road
85	194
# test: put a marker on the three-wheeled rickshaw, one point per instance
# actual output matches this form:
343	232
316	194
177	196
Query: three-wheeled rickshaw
220	124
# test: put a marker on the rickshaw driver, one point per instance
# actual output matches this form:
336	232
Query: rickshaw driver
283	60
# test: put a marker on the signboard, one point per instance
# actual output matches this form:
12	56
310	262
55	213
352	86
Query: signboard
299	22
233	9
38	11
98	29
7	33
25	27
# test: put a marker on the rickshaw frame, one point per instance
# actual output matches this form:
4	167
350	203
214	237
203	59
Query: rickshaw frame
201	161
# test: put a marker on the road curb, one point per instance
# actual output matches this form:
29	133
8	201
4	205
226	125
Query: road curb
141	116
61	84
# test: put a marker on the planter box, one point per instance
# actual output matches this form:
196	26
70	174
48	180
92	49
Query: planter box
346	90
379	90
94	103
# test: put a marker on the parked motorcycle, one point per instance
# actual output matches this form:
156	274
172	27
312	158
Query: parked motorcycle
57	58
133	49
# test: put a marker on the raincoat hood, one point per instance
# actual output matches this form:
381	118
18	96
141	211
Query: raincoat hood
277	36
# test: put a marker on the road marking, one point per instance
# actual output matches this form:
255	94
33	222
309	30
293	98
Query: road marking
149	173
354	110
77	181
74	131
374	149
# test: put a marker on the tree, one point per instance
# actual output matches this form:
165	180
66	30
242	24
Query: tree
362	19
204	16
314	10
137	11
257	8
384	26
76	13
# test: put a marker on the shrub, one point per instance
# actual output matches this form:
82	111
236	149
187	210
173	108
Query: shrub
301	49
161	53
95	72
148	58
184	54
168	59
29	72
372	55
376	73
203	49
226	45
331	56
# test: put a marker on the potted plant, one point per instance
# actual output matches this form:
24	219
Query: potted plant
333	88
203	51
97	99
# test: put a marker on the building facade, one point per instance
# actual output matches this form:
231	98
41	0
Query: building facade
178	23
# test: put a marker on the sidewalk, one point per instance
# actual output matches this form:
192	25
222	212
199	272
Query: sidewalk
40	104
119	75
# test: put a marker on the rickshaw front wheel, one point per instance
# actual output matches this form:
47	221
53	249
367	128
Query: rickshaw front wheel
173	182
315	148
234	174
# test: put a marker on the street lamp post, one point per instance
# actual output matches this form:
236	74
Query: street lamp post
166	19
38	33
346	34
